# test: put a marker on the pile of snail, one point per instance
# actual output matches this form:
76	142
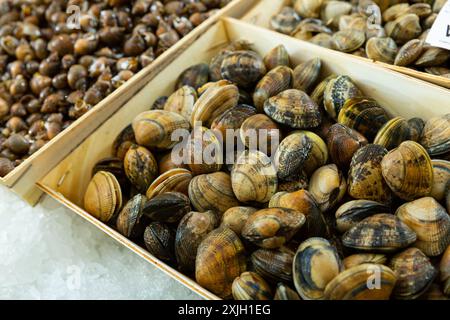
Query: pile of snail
391	31
52	72
350	191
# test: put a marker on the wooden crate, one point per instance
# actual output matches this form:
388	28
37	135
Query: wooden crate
261	14
400	95
22	179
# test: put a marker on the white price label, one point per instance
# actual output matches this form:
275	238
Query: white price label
439	35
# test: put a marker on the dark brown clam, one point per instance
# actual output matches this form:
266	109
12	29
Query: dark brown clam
195	76
276	57
352	212
140	167
306	74
414	271
232	120
273	265
193	228
342	144
169	207
293	108
243	68
337	92
365	178
380	232
159	240
274	82
363	115
131	222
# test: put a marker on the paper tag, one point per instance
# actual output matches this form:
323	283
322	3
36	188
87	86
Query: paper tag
439	35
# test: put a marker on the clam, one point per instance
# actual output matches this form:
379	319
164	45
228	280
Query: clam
315	264
218	98
192	229
114	166
414	271
182	101
408	171
131	221
293	108
140	167
383	49
433	57
409	52
404	28
363	115
274	82
327	186
285	21
439	71
380	233
416	126
231	121
395	11
294	182
441	179
303	202
235	218
253	177
394	132
212	192
291	154
308	8
220	259
430	221
367	281
195	76
174	180
276	57
436	135
168	162
283	292
103	197
244	68
348	40
216	64
203	151
271	228
444	269
273	265
317	156
322	39
351	213
154	128
361	258
123	142
259	132
169	207
338	90
342	144
306	74
250	286
159	240
319	90
332	10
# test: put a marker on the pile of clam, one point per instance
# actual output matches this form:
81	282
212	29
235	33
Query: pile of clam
349	205
60	58
393	31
